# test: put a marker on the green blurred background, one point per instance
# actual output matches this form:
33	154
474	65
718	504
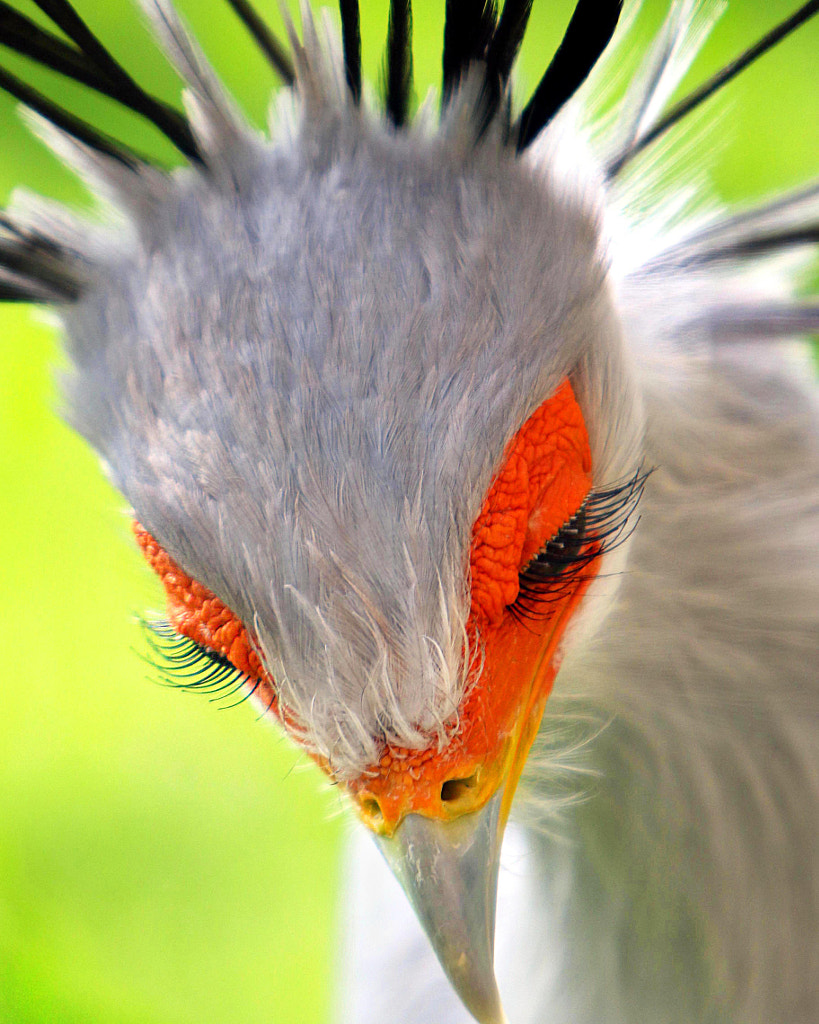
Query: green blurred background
164	860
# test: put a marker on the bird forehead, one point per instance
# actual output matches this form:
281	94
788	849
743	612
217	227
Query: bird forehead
372	251
350	330
304	383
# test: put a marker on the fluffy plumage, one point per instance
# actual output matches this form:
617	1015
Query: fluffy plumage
390	299
393	351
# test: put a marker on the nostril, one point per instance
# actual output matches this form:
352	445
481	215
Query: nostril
371	809
454	789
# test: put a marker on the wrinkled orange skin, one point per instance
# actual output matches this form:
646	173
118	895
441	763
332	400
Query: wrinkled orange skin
544	479
545	476
197	613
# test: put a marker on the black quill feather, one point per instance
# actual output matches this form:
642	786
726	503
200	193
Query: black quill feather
276	54
399	61
714	84
351	37
75	126
468	29
123	87
590	30
507	38
23	36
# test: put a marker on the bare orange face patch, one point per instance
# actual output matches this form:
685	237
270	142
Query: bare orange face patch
543	481
195	612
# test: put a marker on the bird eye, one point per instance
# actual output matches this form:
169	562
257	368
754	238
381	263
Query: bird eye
562	551
202	645
186	664
603	521
556	567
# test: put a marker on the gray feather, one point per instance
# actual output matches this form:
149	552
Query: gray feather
302	370
378	355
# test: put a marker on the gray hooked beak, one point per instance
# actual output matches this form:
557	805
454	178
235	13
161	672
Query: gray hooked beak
449	871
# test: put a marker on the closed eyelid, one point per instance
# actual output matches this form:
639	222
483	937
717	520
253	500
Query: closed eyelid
222	648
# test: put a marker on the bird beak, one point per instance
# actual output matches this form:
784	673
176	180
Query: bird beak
449	871
444	847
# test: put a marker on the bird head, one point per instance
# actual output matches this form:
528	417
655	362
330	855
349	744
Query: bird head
410	486
364	384
387	507
365	388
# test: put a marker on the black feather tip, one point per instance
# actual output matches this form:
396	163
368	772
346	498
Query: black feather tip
399	62
590	30
351	38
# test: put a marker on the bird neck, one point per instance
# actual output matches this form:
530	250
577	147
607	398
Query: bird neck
681	735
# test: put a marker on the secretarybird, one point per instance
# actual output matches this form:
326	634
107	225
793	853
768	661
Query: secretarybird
469	450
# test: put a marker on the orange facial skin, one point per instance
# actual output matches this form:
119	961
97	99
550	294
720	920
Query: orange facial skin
197	613
543	481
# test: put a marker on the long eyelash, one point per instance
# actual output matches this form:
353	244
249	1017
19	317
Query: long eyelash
603	522
187	665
